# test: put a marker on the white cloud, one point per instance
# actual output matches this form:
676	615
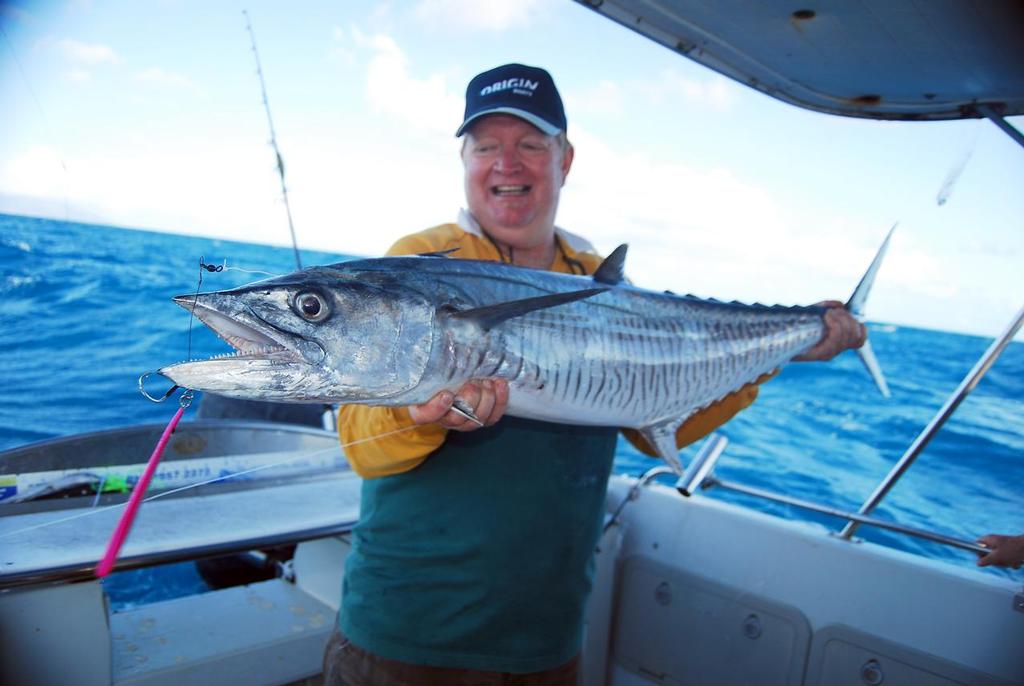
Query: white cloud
78	75
711	91
341	48
666	207
478	15
158	76
87	53
713	233
387	187
605	97
422	103
38	172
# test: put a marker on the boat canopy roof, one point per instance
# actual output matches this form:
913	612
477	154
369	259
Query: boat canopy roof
878	59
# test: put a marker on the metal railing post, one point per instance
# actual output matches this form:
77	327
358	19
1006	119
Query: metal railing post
966	386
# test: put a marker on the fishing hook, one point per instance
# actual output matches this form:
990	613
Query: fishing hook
172	389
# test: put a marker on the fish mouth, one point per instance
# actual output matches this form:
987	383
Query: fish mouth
251	337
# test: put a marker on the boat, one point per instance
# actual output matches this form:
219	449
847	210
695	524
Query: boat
688	589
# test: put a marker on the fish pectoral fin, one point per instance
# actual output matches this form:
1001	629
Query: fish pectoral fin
612	270
489	316
662	437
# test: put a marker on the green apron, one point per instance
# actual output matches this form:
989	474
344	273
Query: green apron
481	557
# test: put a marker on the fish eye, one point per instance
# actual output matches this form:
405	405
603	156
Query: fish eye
311	306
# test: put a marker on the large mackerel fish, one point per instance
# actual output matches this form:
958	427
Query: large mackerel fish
574	349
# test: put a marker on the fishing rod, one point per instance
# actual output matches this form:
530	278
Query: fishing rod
273	140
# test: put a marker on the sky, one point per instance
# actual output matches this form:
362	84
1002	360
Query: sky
149	115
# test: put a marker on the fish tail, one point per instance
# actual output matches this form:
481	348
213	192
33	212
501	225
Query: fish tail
855	305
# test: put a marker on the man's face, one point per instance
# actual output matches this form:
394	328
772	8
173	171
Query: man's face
514	174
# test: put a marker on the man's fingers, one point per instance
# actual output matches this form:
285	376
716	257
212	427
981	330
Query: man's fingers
486	399
500	401
493	401
991	540
432	410
842	332
844	329
992	557
486	405
469	394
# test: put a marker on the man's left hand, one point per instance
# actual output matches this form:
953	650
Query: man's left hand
842	332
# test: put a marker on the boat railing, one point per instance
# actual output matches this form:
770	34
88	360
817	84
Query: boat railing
699	476
275	484
86	571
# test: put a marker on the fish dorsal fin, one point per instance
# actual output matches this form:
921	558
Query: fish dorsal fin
612	269
489	316
438	253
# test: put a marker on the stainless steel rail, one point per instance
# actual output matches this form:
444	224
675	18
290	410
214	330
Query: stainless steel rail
703	462
996	118
966	386
699	475
613	518
75	573
835	512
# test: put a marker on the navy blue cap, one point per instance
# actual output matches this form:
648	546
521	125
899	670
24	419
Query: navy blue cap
525	92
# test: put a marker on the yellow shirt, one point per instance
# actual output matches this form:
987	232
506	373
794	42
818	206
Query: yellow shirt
399	452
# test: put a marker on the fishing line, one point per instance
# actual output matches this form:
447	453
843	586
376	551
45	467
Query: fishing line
99	490
213	269
94	511
195	299
223	267
325	451
226	268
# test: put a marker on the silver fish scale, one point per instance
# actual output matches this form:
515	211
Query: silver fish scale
625	357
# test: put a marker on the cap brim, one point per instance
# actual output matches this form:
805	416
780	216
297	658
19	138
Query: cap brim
541	124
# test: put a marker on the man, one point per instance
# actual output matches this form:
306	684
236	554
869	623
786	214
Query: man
473	556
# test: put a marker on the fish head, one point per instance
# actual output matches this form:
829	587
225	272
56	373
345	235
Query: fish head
319	335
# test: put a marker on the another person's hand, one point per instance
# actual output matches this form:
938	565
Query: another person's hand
842	332
1004	551
487	397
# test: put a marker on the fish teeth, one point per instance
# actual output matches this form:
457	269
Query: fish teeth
249	352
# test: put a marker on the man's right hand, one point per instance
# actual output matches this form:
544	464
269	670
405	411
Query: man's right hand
487	397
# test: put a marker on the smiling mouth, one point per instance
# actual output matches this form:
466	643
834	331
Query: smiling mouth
510	190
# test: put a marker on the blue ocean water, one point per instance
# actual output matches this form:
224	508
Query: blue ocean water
86	309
